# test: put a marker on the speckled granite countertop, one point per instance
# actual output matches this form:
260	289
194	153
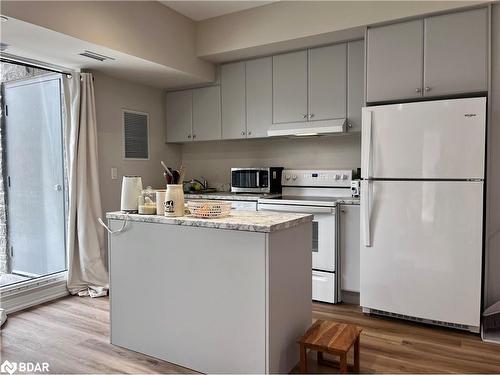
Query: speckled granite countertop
221	195
250	221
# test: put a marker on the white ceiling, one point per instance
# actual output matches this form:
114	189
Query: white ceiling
200	10
37	43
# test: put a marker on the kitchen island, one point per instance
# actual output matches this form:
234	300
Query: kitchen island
229	295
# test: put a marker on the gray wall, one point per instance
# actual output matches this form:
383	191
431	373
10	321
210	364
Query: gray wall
112	95
213	160
492	283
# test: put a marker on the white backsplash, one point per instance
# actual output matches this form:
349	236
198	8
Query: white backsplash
214	160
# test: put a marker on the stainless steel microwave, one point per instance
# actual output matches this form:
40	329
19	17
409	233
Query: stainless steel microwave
256	180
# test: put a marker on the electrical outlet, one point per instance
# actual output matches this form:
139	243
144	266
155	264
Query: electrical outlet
114	173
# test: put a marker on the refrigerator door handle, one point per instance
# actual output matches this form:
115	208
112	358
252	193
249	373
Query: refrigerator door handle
367	127
367	187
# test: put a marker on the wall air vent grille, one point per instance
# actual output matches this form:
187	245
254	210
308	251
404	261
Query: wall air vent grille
420	320
135	135
95	56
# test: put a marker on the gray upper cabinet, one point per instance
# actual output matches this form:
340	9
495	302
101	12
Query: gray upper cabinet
456	53
233	100
355	84
327	82
206	114
259	96
290	87
179	116
394	61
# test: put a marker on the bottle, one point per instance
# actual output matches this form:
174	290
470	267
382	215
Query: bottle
174	200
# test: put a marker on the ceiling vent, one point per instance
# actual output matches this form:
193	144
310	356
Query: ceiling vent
95	56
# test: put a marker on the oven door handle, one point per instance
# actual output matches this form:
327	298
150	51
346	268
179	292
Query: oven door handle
298	209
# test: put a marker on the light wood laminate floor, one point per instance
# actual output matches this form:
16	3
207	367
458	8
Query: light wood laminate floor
72	334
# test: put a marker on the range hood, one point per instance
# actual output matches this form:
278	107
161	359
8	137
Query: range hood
309	128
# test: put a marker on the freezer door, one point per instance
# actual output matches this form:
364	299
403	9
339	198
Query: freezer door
442	139
421	249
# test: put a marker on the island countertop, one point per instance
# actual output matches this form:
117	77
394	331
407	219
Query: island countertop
249	221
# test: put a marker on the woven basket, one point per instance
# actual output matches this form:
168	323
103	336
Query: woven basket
209	209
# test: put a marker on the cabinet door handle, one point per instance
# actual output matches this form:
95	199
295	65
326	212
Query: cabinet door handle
242	132
194	136
311	115
249	132
418	89
427	88
189	136
305	116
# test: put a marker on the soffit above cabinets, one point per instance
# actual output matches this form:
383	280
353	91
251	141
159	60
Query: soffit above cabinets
201	10
40	44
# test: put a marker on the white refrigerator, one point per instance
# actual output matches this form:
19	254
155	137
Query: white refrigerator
422	210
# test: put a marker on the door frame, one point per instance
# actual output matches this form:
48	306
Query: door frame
46	288
33	80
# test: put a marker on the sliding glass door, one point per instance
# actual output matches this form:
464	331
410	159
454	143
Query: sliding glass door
34	171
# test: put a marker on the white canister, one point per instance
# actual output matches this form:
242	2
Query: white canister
174	200
160	202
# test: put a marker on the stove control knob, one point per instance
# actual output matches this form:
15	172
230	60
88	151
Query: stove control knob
287	177
344	177
337	177
294	177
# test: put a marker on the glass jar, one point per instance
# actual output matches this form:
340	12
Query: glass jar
147	201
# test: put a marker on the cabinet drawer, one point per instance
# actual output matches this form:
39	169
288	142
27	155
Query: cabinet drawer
244	205
323	286
235	205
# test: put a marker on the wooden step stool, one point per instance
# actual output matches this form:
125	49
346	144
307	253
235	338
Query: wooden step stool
326	336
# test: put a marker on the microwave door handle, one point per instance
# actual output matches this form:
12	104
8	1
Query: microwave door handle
258	179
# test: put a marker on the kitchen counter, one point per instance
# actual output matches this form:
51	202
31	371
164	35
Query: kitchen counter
180	288
249	221
227	195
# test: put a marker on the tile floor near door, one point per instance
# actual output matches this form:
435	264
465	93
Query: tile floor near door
72	334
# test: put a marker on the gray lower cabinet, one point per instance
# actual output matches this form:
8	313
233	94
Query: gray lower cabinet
355	84
349	248
233	100
456	53
327	82
259	96
179	116
206	114
290	87
394	61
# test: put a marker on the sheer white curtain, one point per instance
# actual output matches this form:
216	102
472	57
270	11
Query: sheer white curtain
87	273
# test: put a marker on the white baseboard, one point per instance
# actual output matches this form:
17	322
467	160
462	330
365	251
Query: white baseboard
33	292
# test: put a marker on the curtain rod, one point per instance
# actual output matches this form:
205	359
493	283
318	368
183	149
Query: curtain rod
20	61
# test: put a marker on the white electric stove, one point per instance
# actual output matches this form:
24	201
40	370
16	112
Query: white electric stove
317	192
